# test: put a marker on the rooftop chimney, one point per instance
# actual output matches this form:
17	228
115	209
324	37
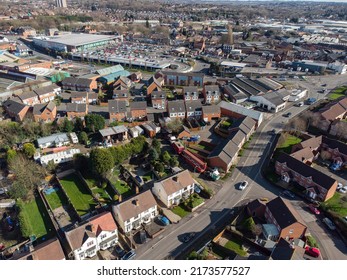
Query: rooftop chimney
136	202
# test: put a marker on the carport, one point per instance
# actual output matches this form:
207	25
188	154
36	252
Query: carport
174	219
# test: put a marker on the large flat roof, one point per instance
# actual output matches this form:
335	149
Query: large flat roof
77	39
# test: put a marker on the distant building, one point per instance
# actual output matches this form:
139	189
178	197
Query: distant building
61	3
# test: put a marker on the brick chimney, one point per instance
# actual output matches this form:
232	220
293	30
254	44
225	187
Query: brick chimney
136	202
137	190
120	198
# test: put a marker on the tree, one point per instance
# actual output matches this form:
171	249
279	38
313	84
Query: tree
29	150
83	138
67	126
51	166
156	145
17	191
173	162
10	155
158	166
78	126
94	122
166	157
153	154
101	161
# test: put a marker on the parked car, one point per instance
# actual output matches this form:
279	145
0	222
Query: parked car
129	255
335	166
324	85
165	221
288	194
287	115
138	179
339	186
299	104
188	237
312	251
329	223
342	190
243	185
120	252
314	209
197	189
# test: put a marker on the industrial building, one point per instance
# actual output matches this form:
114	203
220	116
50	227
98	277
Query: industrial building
74	42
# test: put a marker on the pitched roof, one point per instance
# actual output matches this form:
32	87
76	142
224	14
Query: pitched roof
75	107
13	106
311	143
283	212
303	154
158	95
38	109
45	90
242	110
78	94
318	177
27	95
193	105
245	124
135	206
237	136
334	144
102	222
210	109
212	88
176	106
225	151
335	109
176	182
116	106
140	105
282	250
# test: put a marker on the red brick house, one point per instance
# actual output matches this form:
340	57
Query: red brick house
318	185
153	85
121	95
335	110
138	110
29	98
75	110
15	110
117	110
79	84
135	77
336	149
211	94
46	94
122	82
210	112
45	112
281	213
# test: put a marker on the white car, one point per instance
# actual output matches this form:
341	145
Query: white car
339	186
342	190
243	185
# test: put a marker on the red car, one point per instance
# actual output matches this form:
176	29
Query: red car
314	209
312	251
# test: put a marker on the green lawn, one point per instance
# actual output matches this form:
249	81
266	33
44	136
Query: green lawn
180	211
236	246
36	219
78	194
337	93
56	199
122	187
337	204
98	191
195	201
147	177
290	141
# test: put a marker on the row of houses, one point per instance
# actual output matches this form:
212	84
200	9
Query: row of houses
297	167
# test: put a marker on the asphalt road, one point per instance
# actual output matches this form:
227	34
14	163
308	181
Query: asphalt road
218	209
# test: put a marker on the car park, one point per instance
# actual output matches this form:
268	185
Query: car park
243	185
314	209
312	251
129	255
329	223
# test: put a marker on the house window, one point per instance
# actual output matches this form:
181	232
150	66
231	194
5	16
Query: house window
90	243
103	236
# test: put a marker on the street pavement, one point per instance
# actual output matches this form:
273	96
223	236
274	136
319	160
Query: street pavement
169	244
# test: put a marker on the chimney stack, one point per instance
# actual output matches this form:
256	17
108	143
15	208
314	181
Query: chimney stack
136	202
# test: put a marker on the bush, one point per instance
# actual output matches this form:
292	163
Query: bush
312	242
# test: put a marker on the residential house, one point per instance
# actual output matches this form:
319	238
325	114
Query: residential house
174	189
59	157
190	93
29	98
122	82
54	140
256	209
181	79
117	110
281	213
99	233
158	99
318	185
334	110
224	155
138	110
49	250
193	109
48	93
210	112
286	250
15	110
22	50
337	150
138	210
176	109
153	85
135	77
75	110
183	133
121	95
81	97
211	94
245	124
45	112
79	84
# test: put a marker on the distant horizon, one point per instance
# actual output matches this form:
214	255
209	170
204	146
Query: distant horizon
326	1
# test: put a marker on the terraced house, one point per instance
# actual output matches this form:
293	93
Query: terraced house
99	233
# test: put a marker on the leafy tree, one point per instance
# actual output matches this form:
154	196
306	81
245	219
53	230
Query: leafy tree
18	191
166	157
94	122
101	161
114	123
67	126
158	166
173	162
153	154
81	163
29	150
83	138
156	145
51	166
78	126
10	155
